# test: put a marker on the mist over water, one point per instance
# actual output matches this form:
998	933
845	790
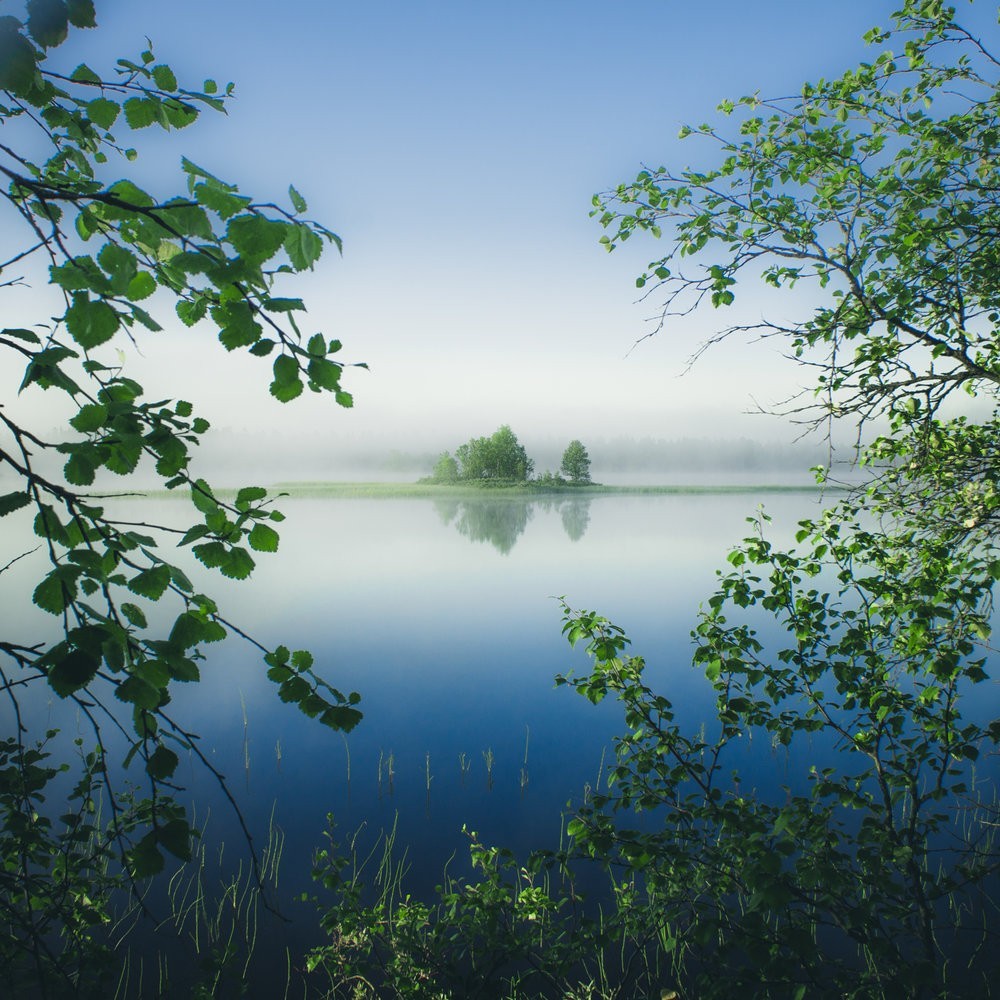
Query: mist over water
234	456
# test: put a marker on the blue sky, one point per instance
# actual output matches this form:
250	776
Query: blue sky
455	147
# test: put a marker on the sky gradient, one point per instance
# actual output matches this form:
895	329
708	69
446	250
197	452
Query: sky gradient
455	147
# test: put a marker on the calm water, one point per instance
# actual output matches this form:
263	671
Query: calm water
442	615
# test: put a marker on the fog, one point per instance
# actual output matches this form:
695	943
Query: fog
456	148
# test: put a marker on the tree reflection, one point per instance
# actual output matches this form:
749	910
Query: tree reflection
446	508
502	520
575	515
499	522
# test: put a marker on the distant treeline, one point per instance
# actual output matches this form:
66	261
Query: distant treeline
650	455
691	454
276	457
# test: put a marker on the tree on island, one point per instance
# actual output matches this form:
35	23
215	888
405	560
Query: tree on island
445	469
499	457
576	463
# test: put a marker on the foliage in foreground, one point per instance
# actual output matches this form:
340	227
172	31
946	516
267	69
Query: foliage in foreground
858	657
873	871
127	623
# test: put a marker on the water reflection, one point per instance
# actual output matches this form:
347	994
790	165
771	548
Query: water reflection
502	520
575	514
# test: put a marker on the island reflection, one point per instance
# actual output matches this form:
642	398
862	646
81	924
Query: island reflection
502	520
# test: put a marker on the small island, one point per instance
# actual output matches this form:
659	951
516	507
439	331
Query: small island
500	460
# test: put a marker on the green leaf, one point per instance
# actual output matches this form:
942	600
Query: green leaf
220	199
145	857
81	13
256	237
239	564
211	554
48	21
56	591
287	391
90	322
131	195
194	533
179	114
294	689
134	614
248	494
73	672
18	334
341	718
17	58
84	74
202	497
79	469
190	312
136	691
302	659
326	374
164	77
145	319
162	763
298	202
263	538
186	219
140	287
303	246
175	836
284	305
241	329
140	112
10	502
262	348
286	370
120	265
184	670
80	273
103	112
151	583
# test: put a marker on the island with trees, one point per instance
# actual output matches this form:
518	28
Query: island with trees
500	460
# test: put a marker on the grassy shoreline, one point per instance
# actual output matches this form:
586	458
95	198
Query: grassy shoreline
459	491
389	490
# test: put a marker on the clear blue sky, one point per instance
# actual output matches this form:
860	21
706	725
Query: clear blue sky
455	147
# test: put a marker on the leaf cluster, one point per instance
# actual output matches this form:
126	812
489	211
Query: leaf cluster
877	190
123	262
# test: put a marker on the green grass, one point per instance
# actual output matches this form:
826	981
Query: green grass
468	491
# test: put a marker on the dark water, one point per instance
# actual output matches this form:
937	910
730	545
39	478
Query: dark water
442	615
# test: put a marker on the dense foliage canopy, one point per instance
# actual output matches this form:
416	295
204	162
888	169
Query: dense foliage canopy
499	457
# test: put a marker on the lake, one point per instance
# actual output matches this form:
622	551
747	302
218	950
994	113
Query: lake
443	614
